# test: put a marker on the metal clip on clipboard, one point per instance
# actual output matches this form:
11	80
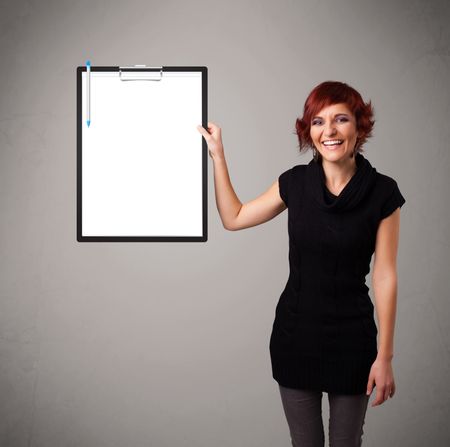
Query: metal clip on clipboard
139	73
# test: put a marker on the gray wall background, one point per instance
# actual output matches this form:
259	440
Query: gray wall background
167	344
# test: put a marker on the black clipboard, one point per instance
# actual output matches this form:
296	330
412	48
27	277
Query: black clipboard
141	162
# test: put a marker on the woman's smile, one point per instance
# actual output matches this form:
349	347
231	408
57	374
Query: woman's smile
333	145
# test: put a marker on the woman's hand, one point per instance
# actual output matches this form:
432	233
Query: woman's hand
381	373
213	137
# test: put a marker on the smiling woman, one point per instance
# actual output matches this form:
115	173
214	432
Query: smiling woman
340	211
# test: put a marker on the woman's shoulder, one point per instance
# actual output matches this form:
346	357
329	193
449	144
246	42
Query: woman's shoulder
296	172
385	183
297	169
388	193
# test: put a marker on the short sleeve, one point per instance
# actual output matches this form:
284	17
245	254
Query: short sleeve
394	201
283	185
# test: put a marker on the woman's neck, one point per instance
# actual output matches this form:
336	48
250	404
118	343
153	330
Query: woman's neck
338	174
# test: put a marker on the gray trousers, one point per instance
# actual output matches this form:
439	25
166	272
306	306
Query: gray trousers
303	410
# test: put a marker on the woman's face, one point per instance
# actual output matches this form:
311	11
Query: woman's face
335	122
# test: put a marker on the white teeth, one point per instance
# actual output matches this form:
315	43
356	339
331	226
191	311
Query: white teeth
332	142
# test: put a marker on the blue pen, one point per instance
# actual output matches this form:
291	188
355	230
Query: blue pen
88	92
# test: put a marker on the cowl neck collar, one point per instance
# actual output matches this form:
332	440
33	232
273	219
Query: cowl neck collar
354	191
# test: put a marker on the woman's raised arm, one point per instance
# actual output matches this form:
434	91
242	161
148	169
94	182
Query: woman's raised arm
234	214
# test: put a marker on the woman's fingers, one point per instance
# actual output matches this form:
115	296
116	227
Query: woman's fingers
213	132
212	128
392	390
213	138
203	131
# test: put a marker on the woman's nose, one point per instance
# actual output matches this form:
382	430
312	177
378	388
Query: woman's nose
330	129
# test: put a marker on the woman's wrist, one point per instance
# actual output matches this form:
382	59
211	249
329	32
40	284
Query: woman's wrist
385	357
218	158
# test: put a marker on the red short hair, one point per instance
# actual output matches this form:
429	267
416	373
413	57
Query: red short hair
329	93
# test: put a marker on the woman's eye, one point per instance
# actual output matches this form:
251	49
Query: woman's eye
341	119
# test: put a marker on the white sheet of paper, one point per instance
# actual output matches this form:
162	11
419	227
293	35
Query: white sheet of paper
142	156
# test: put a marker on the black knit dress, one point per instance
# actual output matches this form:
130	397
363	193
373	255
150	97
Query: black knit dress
324	336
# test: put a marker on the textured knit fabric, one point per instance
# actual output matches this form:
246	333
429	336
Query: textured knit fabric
324	336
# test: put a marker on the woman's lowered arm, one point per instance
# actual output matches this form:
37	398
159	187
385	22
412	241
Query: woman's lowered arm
384	281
